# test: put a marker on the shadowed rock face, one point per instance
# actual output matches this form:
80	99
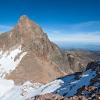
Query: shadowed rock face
86	83
77	60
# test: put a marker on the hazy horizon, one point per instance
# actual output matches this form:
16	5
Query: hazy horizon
70	21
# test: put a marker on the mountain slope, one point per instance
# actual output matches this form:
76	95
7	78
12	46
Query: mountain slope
73	86
32	54
77	83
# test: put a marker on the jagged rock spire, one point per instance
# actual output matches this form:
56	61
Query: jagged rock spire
25	24
27	30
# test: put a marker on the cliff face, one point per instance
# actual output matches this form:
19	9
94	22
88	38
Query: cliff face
43	58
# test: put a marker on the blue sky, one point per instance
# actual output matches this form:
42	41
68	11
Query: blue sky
63	20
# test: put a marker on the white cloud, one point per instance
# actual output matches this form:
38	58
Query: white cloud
90	26
81	38
4	28
76	37
81	32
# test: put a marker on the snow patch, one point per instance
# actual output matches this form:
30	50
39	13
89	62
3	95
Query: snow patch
85	75
5	86
52	86
70	88
28	90
9	60
74	82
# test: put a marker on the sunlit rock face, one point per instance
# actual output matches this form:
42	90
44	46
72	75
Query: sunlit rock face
29	53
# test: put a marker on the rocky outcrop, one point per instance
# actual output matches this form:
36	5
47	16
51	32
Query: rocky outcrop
77	98
51	96
77	60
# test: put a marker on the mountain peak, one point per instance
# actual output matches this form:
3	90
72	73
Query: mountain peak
25	22
24	17
41	52
27	28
